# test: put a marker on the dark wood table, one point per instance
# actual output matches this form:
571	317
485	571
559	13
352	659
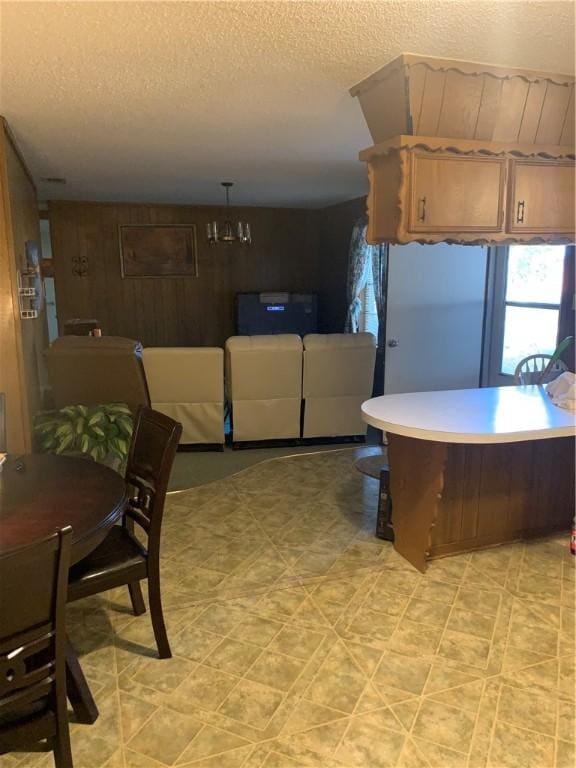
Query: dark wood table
40	493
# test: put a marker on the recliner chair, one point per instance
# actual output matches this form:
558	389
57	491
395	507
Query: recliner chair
187	384
91	370
264	385
338	377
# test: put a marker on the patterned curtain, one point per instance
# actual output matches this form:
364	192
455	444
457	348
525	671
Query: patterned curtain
379	273
358	259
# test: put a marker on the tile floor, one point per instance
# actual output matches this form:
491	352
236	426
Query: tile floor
301	640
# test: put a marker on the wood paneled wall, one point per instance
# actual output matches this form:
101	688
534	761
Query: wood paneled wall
336	225
284	256
21	341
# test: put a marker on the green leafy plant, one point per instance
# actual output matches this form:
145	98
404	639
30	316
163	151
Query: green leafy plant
101	432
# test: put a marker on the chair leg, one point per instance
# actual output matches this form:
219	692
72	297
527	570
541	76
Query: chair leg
157	616
136	598
61	741
62	750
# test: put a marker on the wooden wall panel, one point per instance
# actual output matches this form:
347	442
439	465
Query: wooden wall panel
489	106
459	114
567	137
337	222
284	255
432	100
553	114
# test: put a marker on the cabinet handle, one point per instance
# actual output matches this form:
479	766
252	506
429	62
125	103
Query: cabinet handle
422	209
520	212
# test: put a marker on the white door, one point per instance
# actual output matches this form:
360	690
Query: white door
434	317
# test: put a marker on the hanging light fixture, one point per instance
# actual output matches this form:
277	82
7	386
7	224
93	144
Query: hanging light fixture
229	232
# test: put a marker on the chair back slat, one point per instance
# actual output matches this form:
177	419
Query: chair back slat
33	583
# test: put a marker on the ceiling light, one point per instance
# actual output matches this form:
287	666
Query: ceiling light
228	231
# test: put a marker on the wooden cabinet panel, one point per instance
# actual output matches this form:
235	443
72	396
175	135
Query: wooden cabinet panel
456	194
541	197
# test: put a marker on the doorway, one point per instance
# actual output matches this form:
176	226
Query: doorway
523	307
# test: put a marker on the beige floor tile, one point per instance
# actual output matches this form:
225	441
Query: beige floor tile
465	649
252	703
209	742
427	612
526	710
165	736
296	641
482	601
205	688
194	643
513	747
415	639
367	743
275	670
403	672
565	754
445	725
163	675
471	623
233	656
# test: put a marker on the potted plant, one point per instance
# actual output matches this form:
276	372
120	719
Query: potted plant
100	432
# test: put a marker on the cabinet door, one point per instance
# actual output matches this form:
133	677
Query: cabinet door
541	197
451	193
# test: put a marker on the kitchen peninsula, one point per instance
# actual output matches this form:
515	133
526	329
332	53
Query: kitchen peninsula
475	468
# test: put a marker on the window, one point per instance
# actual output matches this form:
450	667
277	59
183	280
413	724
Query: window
532	302
368	320
523	307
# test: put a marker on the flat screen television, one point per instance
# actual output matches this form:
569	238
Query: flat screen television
268	313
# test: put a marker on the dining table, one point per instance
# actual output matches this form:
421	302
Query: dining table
40	493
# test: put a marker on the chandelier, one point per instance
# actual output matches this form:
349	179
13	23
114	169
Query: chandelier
228	231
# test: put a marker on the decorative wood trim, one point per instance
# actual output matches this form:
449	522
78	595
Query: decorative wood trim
469	147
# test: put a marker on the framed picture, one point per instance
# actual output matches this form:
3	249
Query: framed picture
148	250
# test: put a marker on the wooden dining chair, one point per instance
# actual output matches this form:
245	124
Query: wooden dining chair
536	369
121	559
33	708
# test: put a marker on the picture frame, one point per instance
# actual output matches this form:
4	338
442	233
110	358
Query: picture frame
158	250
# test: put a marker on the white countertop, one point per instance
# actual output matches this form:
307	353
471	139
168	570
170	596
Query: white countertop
488	415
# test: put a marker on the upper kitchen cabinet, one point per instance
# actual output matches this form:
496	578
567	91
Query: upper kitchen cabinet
452	193
468	153
435	190
541	197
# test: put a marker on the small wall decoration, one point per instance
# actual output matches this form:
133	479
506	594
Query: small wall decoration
80	266
158	251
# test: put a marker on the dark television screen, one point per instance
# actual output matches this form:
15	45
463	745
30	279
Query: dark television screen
267	313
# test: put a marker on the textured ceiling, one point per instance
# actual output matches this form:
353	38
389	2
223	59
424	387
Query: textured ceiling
159	101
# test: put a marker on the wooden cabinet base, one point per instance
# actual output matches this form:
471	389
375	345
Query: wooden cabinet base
449	498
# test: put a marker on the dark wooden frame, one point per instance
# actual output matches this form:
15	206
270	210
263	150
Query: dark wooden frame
191	241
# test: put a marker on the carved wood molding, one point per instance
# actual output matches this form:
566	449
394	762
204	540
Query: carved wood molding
469	147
